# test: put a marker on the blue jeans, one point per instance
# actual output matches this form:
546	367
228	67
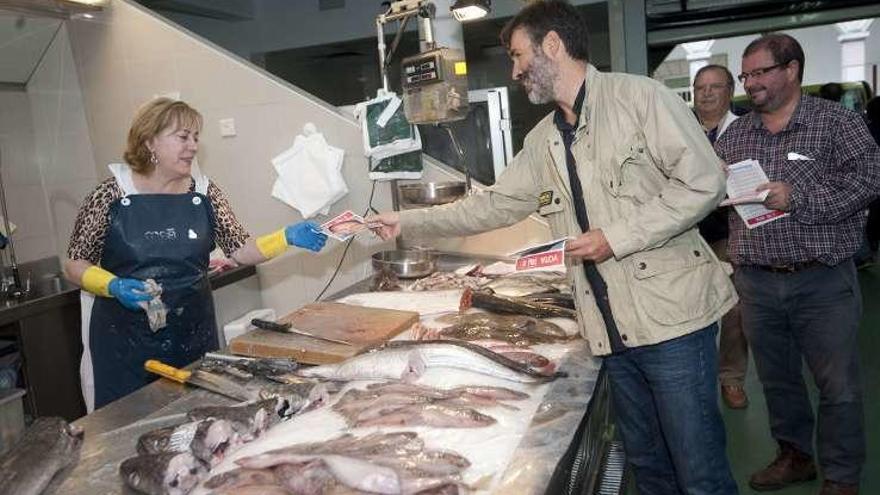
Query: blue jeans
666	402
810	315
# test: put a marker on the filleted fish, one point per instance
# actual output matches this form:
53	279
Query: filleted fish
388	463
407	404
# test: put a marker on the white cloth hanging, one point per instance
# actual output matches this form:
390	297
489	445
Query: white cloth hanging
309	174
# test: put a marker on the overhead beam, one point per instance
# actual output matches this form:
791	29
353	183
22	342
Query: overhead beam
229	10
673	36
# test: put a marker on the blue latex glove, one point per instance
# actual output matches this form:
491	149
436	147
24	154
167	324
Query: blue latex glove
306	235
129	292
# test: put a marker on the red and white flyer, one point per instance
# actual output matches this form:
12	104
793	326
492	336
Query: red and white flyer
742	181
546	257
343	226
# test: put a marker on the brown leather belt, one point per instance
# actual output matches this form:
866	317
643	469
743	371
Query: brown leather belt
789	268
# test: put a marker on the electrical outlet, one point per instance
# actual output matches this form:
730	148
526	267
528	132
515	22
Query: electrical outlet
227	127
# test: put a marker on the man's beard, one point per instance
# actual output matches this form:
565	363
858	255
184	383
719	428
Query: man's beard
541	78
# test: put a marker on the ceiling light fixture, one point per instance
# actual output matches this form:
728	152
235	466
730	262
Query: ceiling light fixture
469	10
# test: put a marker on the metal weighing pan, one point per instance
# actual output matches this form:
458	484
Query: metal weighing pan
431	193
406	263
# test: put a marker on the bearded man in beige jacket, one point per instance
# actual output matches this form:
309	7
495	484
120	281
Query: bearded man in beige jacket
622	168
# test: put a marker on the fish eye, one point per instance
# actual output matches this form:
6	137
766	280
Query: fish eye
174	483
193	470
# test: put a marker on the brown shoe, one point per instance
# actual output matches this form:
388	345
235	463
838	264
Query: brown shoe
790	466
834	488
734	396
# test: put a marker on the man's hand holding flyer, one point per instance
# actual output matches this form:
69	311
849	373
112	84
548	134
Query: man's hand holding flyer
345	225
743	180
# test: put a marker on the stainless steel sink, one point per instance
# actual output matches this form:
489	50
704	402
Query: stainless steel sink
40	278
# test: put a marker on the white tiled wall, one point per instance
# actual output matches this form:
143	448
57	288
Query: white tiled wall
63	149
47	160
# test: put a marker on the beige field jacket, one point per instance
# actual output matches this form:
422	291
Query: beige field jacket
648	175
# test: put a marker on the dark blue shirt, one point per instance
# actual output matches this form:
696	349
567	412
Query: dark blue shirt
594	278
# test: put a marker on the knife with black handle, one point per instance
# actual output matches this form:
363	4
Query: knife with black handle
288	328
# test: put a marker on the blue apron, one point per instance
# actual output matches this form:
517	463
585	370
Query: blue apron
166	237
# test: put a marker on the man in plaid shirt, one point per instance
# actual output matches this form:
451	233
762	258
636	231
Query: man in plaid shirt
795	275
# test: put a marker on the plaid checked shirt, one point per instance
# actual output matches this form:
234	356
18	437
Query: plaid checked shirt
829	191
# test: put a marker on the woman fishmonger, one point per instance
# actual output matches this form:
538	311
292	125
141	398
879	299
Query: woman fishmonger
157	218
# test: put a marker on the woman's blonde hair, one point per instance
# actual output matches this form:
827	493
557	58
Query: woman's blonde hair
149	121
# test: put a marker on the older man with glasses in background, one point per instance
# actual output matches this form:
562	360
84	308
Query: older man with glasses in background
797	282
713	92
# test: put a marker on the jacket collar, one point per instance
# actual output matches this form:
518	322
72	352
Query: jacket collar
591	80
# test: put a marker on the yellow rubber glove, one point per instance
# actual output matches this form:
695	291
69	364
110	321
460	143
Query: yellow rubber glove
97	281
272	245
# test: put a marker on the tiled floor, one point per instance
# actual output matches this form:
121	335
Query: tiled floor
748	436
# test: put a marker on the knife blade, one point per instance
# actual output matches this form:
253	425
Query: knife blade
202	379
287	328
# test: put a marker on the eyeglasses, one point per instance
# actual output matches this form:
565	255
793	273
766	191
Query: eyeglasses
759	72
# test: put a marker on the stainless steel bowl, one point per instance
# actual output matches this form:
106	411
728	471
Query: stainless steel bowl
431	193
406	263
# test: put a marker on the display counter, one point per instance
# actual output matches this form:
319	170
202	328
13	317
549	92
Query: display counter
561	451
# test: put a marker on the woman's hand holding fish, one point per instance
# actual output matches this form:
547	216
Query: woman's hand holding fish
385	225
591	245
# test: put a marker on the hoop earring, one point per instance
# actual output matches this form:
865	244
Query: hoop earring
153	159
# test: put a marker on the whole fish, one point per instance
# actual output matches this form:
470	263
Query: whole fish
554	299
48	446
407	360
248	421
498	393
518	330
511	305
518	286
163	474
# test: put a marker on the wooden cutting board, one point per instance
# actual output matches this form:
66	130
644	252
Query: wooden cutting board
356	324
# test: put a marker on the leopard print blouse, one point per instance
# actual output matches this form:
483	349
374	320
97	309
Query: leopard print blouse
93	220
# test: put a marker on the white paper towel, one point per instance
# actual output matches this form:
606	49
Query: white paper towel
309	174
